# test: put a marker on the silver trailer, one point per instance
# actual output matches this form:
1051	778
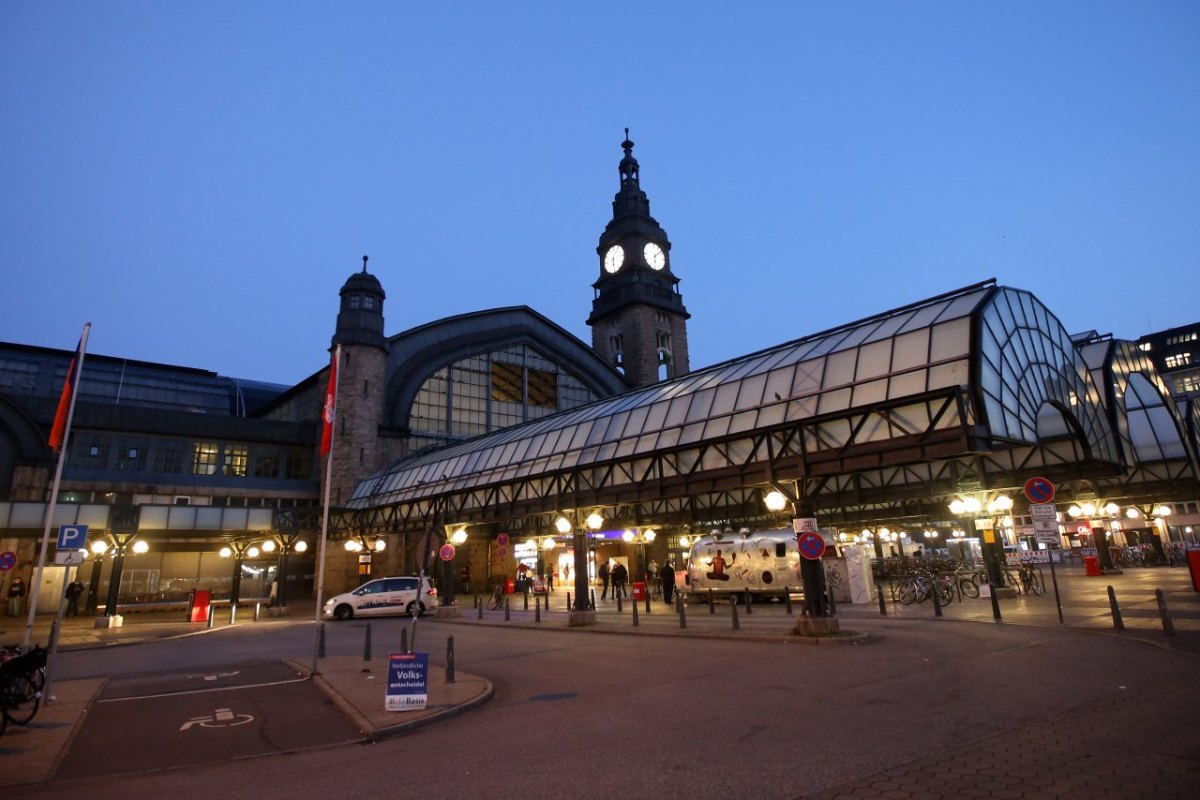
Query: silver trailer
763	563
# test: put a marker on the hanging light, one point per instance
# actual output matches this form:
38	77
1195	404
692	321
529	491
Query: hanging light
353	545
252	552
627	536
225	552
459	536
268	546
549	544
684	541
380	545
775	501
141	546
563	525
1112	509
1163	511
1088	509
594	521
99	547
1075	511
649	534
957	507
1132	513
300	546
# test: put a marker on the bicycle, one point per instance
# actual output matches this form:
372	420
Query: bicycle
496	601
655	588
22	678
1030	579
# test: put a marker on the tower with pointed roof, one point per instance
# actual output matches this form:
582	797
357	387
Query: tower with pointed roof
638	321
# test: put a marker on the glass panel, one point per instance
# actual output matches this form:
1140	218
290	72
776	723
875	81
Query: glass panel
909	383
725	398
950	339
873	360
839	369
910	350
838	400
866	394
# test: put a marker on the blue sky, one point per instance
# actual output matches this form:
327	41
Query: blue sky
199	179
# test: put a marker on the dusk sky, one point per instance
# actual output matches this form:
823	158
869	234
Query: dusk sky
198	179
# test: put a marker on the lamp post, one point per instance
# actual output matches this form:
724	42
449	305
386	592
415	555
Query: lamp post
640	538
812	571
366	546
121	542
98	547
286	542
238	551
991	549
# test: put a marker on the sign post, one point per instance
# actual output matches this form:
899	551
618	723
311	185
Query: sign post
1040	494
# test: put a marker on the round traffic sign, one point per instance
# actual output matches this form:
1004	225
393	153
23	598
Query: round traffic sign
446	552
1039	490
502	539
8	560
812	545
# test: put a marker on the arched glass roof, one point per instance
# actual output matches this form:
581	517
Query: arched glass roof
910	374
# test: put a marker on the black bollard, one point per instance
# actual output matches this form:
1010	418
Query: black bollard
507	610
569	602
232	613
882	602
995	602
367	643
633	605
478	609
257	610
618	603
682	613
593	593
526	596
1118	622
937	603
1168	625
787	600
737	625
449	659
749	600
537	609
712	607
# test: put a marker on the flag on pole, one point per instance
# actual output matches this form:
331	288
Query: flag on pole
330	405
59	428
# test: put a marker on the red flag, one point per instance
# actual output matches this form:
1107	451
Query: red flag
59	428
330	406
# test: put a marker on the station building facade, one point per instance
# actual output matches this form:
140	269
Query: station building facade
500	423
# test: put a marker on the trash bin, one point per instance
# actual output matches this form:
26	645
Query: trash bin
639	590
201	599
1091	566
1193	559
510	586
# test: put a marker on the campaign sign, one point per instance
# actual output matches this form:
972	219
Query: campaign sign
408	682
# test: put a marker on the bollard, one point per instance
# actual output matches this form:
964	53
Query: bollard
635	613
232	613
569	609
937	602
507	610
1118	622
712	607
477	600
1168	625
749	600
737	625
593	606
478	609
682	613
321	640
212	611
647	598
537	610
619	609
257	610
787	599
367	644
526	596
404	640
995	602
882	602
449	659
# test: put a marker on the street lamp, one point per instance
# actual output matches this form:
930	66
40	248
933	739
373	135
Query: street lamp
121	543
98	547
285	542
992	550
239	551
366	546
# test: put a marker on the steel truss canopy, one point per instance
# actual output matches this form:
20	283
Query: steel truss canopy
977	388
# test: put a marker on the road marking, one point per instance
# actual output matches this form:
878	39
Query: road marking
218	675
221	718
201	691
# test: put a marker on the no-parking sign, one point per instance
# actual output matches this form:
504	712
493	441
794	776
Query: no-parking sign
8	560
812	545
1039	490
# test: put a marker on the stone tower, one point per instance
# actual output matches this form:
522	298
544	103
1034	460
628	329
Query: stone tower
638	321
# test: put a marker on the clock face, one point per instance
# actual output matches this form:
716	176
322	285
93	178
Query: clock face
655	257
614	258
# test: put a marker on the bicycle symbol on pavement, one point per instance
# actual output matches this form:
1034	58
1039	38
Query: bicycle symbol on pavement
221	718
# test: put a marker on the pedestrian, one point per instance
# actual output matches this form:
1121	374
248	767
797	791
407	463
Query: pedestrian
667	574
550	579
620	576
273	598
16	596
74	592
603	575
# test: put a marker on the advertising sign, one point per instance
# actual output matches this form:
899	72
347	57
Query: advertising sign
408	682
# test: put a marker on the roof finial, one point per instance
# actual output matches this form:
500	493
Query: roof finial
364	265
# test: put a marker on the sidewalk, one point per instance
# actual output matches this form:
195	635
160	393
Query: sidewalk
355	685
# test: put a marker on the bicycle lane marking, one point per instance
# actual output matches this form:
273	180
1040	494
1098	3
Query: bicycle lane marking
271	710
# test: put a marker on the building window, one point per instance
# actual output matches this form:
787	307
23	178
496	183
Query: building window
299	465
234	462
266	467
204	458
1178	360
131	458
167	461
664	340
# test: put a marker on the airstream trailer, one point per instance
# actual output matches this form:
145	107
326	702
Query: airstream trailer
763	563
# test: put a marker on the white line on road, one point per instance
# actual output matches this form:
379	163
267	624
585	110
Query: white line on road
202	691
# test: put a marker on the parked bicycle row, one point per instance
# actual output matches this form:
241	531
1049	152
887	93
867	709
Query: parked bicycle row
964	581
22	678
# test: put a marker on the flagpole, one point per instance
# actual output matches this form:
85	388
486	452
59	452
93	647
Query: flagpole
329	420
58	470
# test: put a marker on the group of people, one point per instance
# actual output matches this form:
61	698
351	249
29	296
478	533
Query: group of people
617	578
17	591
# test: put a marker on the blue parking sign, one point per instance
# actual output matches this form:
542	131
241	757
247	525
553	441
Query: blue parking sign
72	537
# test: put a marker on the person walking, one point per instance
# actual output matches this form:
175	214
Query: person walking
620	576
74	592
603	575
16	596
667	574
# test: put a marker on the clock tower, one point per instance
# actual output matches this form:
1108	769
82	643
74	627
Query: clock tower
639	324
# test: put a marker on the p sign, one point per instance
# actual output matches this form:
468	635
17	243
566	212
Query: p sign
72	537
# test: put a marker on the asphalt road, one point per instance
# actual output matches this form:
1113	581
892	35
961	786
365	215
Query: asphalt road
927	710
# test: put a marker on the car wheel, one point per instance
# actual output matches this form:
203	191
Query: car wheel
343	612
416	605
